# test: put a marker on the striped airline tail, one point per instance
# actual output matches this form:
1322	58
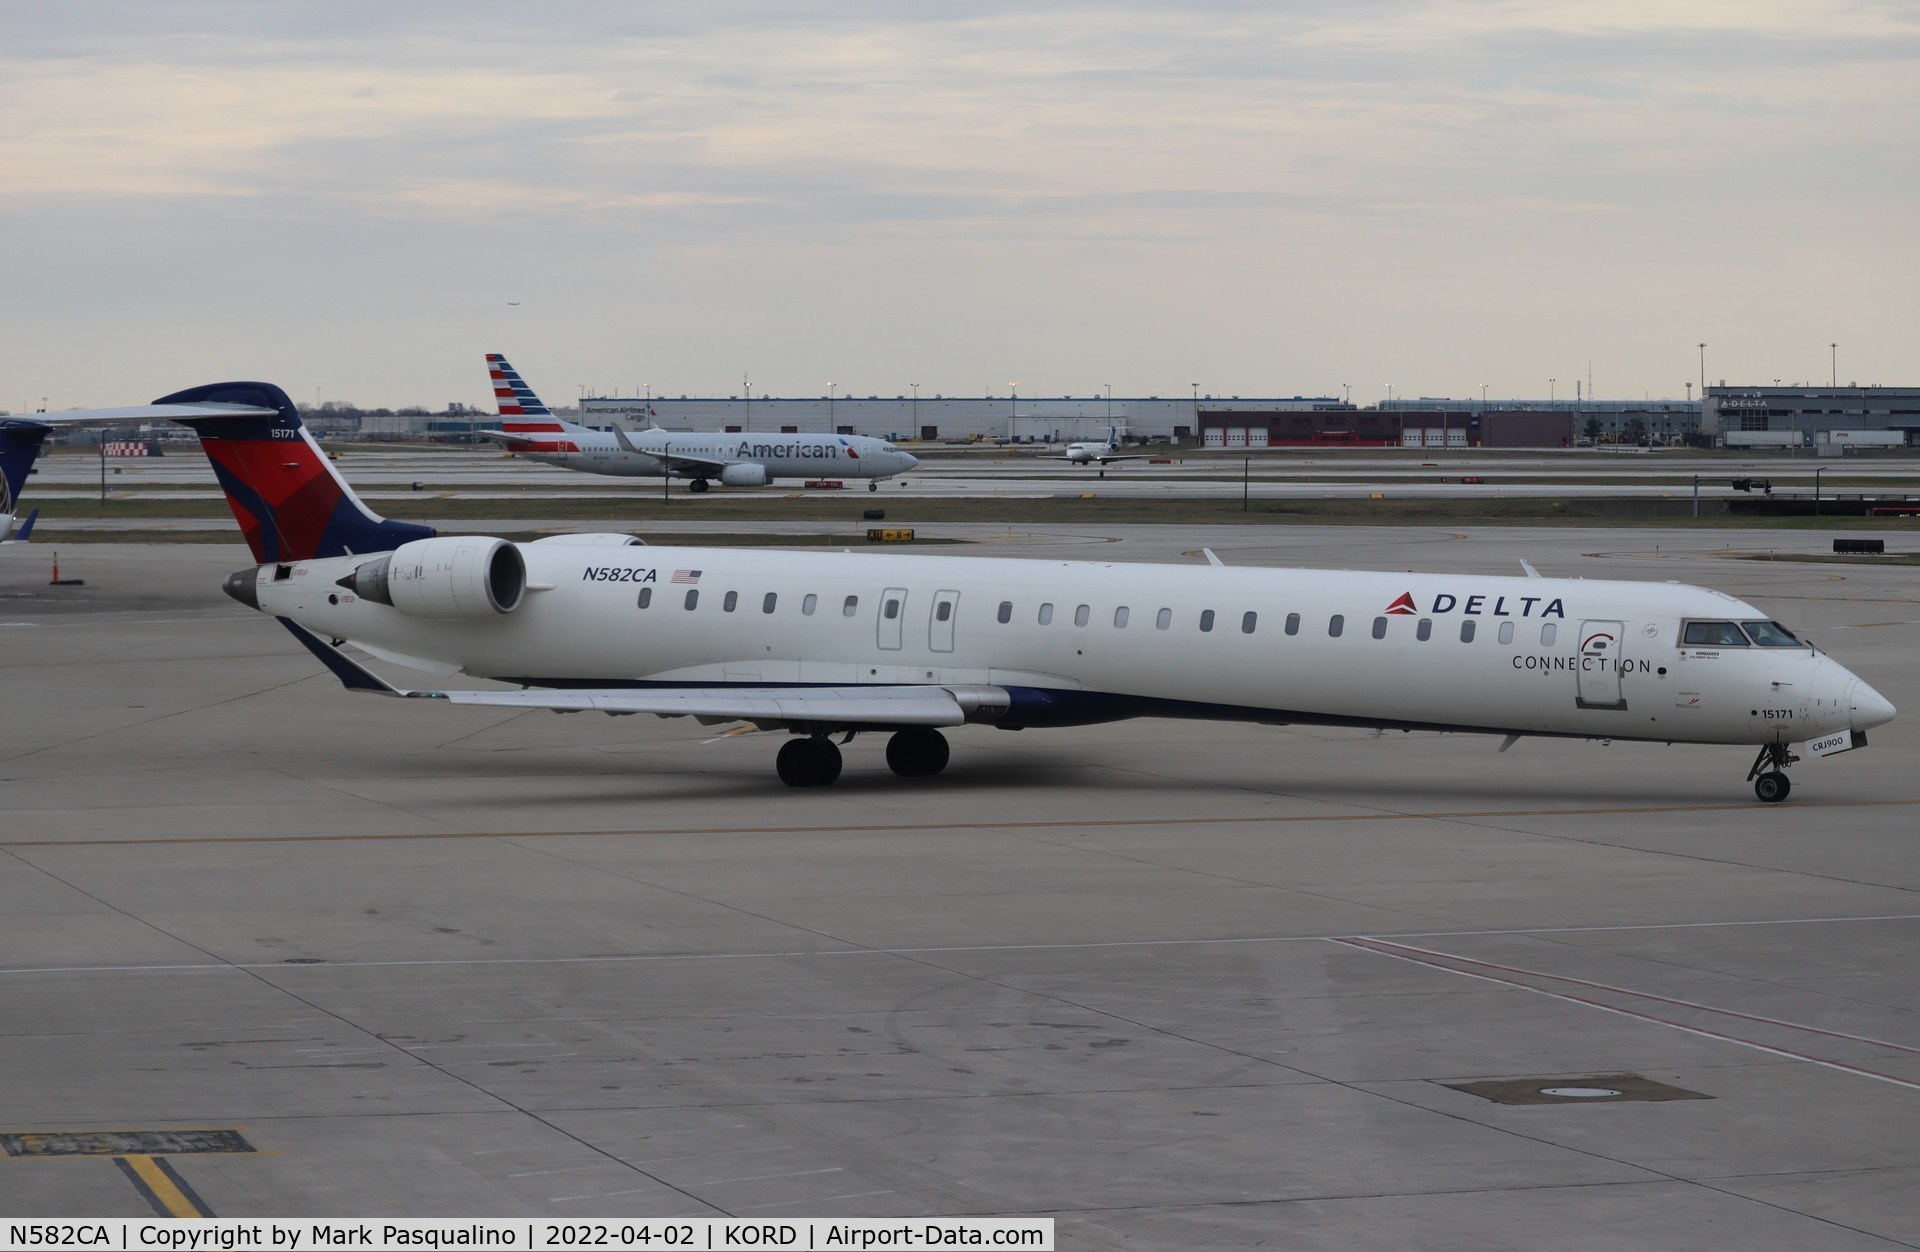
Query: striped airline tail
511	392
290	502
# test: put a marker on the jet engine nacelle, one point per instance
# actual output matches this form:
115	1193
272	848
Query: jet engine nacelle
745	474
456	576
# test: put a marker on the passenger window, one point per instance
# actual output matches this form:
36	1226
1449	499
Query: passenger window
1120	617
1248	621
1547	633
892	610
730	602
1335	626
808	605
1379	628
1771	635
850	606
1293	623
646	596
943	611
1714	635
693	596
1466	631
766	605
1006	612
1206	620
1506	632
1046	615
1081	614
1424	631
1163	619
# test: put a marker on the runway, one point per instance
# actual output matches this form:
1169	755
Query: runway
1173	984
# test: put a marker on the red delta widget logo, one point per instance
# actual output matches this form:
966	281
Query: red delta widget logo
1476	606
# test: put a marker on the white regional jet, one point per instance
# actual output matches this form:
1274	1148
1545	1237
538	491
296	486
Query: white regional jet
1101	454
835	643
529	429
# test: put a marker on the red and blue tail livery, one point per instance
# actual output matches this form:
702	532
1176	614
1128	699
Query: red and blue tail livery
289	501
511	392
19	445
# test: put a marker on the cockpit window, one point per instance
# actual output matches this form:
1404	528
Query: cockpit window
1772	635
1713	635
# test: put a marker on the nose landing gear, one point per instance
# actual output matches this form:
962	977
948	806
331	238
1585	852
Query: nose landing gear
1768	774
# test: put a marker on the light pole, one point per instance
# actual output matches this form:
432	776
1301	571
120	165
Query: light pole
1483	397
1833	365
1109	387
916	409
1346	394
1550	383
1196	410
1015	388
744	382
1703	373
831	428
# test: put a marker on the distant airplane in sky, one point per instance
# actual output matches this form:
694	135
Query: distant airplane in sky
529	429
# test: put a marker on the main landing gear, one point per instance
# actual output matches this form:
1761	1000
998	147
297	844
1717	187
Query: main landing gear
1768	774
873	485
697	486
814	761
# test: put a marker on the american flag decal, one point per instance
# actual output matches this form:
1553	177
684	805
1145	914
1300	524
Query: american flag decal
686	575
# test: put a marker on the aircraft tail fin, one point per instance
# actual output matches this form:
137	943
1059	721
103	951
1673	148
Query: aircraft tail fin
292	505
511	392
20	444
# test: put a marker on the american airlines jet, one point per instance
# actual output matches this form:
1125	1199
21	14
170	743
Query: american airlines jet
529	429
822	644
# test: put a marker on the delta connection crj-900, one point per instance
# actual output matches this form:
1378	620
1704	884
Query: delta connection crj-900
836	644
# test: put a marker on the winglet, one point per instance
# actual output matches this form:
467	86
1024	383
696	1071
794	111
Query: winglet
1211	558
626	444
26	527
1531	572
352	675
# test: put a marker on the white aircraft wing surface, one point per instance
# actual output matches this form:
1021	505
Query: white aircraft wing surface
767	706
679	460
137	414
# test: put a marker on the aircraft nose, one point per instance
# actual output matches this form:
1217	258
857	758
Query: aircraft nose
1869	707
907	461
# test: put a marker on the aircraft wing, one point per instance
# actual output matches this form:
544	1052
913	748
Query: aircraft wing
1131	456
664	454
833	707
139	414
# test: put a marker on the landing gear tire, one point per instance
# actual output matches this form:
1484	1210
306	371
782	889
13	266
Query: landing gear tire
810	762
697	486
873	486
917	753
1772	787
1767	775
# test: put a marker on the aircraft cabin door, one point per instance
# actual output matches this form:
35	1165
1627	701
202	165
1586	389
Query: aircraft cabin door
946	606
1600	665
893	617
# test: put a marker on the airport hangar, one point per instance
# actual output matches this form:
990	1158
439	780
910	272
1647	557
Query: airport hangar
1215	421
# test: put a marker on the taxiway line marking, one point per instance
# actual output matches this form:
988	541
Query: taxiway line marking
1387	950
955	949
162	1186
1648	995
1089	823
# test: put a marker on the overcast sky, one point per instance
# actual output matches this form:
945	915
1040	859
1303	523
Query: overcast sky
1265	198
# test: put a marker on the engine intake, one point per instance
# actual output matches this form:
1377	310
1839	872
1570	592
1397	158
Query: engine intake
458	576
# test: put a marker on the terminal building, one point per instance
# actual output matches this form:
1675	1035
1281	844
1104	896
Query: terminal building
1811	416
